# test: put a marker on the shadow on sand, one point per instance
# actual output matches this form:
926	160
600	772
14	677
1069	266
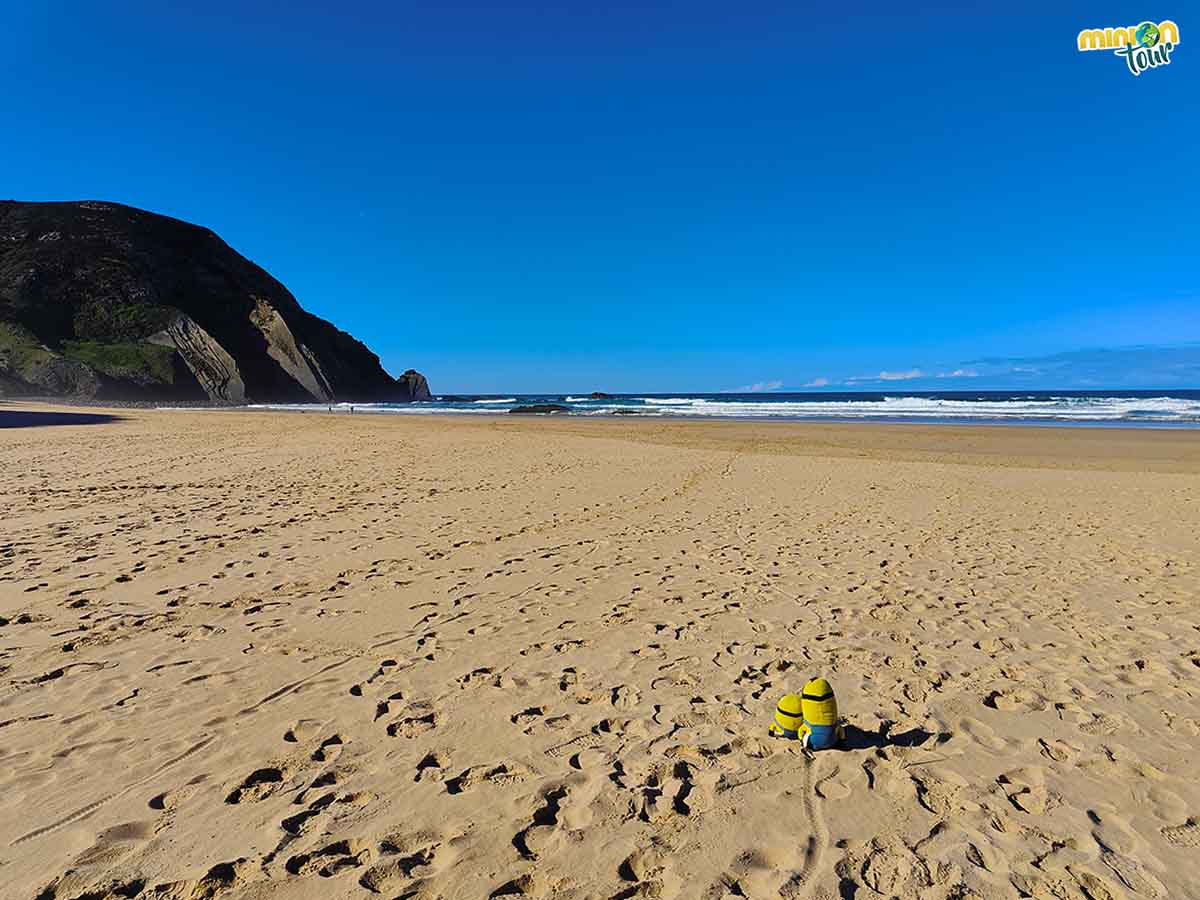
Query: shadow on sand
21	418
857	739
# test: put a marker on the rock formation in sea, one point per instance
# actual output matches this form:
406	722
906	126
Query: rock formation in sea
540	409
108	302
414	385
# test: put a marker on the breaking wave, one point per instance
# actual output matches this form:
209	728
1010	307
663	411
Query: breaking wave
1180	408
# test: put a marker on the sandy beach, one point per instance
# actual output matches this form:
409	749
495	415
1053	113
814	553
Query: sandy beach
271	655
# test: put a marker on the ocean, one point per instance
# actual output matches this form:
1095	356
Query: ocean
1161	409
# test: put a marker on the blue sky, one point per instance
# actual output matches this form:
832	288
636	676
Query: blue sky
686	196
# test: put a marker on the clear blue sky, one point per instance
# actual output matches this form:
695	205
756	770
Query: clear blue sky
684	196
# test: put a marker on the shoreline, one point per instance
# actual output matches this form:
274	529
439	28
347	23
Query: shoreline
1040	445
417	410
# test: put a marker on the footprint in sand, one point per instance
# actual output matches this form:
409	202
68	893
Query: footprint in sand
527	717
887	772
329	804
543	836
384	707
413	725
982	734
301	822
504	773
696	786
432	767
303	730
653	873
332	859
1132	874
1185	835
943	793
1105	724
168	801
1026	790
772	870
626	696
326	779
1111	831
889	867
588	759
1015	700
828	787
407	858
260	784
575	745
330	749
480	677
1059	751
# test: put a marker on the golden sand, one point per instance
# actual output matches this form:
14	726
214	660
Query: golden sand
252	655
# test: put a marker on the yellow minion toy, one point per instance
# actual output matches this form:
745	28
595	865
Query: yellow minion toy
820	727
788	718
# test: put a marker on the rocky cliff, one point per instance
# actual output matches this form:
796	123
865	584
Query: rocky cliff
414	385
104	301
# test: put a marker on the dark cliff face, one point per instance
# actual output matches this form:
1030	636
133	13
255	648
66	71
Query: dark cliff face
107	301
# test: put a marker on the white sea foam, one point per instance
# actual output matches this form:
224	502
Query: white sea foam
1027	408
1052	408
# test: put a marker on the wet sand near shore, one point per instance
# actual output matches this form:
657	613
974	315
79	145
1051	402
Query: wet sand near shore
259	655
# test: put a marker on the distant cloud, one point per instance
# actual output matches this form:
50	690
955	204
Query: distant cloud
907	375
959	373
758	387
817	382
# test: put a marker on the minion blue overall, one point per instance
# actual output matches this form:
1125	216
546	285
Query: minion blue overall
820	727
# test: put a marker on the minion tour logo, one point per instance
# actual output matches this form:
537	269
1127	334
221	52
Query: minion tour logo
1145	46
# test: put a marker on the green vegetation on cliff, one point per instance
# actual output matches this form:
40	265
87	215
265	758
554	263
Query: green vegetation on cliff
19	348
27	366
135	360
116	322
